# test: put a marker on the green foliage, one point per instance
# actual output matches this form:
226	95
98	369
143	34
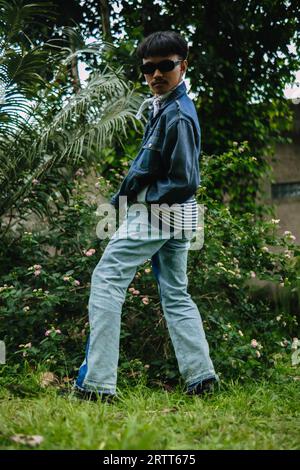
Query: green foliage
239	57
49	290
232	178
43	137
50	125
239	62
48	293
262	415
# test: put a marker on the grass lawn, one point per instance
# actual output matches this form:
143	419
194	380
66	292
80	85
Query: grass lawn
263	415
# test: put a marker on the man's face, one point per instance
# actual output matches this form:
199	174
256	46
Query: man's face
162	82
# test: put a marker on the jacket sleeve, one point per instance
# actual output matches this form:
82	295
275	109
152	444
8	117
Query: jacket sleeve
180	153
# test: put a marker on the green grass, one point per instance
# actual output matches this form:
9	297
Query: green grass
252	416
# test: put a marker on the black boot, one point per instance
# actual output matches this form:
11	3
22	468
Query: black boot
87	395
206	387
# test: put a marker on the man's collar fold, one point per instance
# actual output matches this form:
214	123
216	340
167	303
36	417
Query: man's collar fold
178	91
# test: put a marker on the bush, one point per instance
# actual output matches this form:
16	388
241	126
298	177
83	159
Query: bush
43	308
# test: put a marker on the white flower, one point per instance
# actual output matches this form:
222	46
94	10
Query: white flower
289	235
89	252
295	344
232	272
79	172
29	440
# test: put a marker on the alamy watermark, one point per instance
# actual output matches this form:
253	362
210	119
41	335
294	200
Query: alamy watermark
145	221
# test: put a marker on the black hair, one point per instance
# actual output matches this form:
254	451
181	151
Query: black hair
163	43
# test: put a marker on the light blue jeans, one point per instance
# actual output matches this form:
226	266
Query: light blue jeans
110	280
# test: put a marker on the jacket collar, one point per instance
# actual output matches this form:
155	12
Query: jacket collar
163	97
174	95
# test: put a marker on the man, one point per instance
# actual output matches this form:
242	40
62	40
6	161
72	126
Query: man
165	171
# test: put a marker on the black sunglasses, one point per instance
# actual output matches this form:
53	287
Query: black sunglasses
163	66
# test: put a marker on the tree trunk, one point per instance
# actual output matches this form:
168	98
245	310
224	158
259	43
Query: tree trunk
75	75
105	20
73	67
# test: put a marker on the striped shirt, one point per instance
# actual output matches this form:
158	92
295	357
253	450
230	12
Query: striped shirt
182	216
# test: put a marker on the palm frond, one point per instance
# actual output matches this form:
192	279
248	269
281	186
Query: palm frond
15	16
106	104
30	147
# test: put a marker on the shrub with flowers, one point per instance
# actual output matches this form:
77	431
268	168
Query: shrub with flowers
46	275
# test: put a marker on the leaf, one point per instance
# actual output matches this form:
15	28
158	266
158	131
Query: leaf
48	378
32	441
169	410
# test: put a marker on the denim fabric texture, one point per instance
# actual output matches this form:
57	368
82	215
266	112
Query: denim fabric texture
168	165
129	247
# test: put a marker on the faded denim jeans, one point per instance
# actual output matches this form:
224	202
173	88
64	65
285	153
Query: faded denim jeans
110	280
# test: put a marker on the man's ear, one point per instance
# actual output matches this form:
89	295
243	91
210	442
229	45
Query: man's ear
184	65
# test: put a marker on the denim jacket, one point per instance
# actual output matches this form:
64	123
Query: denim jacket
168	159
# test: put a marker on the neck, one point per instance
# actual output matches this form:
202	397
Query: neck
165	95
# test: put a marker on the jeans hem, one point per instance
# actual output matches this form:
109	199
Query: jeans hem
88	387
199	379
